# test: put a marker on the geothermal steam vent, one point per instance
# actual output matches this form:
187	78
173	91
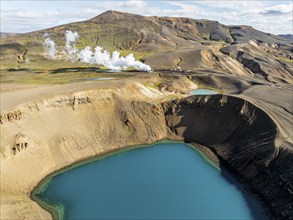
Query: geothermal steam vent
97	56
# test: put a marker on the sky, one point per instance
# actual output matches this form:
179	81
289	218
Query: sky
275	16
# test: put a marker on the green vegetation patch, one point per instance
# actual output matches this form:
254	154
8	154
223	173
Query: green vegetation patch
287	60
154	85
58	75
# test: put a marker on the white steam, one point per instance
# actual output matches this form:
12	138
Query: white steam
71	38
114	61
50	47
97	56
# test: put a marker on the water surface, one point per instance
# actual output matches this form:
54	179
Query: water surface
203	92
98	79
164	181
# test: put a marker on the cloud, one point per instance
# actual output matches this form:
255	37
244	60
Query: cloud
31	20
33	14
278	9
268	16
253	13
134	4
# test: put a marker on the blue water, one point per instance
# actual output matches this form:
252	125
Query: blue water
165	181
101	78
203	92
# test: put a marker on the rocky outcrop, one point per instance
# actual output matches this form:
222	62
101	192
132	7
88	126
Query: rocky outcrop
10	116
20	144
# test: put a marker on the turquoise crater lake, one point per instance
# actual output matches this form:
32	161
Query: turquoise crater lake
163	181
203	92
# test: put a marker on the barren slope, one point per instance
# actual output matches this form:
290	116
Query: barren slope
168	43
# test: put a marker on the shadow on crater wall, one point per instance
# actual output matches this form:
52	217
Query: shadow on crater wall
242	137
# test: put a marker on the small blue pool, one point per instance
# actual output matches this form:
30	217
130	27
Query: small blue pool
203	92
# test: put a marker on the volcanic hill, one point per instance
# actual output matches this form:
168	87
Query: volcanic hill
170	43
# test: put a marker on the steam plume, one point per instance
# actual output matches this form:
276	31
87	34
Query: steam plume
97	56
50	47
71	38
114	61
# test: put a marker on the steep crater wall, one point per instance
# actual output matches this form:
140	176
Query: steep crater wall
242	137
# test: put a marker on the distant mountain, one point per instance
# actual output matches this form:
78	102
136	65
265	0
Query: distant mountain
172	42
287	36
5	34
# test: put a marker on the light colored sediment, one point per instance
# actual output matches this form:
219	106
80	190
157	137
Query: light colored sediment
13	95
45	135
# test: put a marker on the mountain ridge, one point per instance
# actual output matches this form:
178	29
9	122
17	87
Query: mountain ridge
175	43
287	36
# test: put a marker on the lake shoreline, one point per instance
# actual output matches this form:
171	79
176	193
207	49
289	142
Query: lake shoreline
42	185
57	211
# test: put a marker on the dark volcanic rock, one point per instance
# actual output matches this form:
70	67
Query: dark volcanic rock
245	33
242	137
251	63
287	36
